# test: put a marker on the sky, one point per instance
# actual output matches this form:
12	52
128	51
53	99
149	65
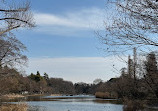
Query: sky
64	44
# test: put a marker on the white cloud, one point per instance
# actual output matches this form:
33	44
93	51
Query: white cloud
76	69
70	22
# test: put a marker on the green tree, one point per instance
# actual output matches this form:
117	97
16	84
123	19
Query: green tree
46	77
151	76
38	73
36	77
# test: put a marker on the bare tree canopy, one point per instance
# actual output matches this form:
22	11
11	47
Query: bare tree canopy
13	16
134	24
11	52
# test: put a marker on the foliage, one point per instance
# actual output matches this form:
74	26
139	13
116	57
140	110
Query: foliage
36	77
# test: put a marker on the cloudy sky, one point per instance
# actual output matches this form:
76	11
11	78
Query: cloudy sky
64	44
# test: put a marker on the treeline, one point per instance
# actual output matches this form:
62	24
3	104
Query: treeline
138	84
11	81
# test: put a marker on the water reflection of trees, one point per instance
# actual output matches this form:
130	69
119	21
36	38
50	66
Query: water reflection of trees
37	108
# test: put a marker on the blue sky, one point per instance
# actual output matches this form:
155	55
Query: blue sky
64	43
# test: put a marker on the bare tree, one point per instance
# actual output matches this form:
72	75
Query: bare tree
11	52
97	81
13	16
134	24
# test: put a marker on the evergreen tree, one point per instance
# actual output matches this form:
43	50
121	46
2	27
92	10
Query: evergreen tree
46	77
152	73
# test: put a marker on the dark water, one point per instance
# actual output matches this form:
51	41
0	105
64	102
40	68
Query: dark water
70	103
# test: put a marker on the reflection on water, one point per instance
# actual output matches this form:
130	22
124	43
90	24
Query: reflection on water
37	108
71	103
74	105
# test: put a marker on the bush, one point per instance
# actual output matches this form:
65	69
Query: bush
134	105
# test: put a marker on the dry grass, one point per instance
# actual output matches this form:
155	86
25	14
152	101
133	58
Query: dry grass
12	96
105	95
56	95
14	107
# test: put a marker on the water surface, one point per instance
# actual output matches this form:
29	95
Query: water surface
74	103
70	103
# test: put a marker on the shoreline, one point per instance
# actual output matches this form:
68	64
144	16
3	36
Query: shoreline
12	96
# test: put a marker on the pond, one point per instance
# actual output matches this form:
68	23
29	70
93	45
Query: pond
74	103
70	103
